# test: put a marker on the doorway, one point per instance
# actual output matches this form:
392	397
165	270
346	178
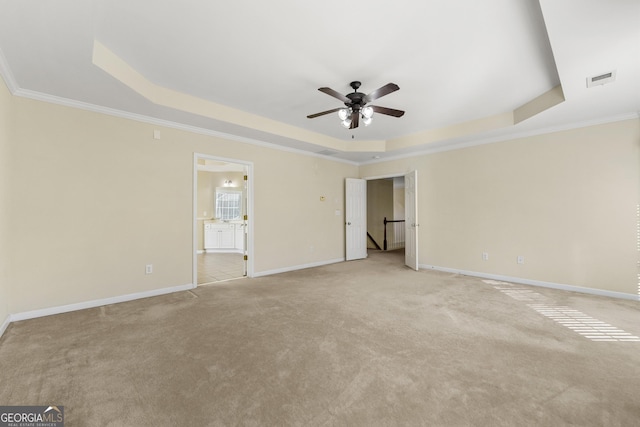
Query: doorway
385	214
222	224
360	201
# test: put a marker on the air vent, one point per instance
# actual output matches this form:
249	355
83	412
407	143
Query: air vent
327	152
601	79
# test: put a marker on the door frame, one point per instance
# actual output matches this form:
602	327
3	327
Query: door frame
395	175
194	212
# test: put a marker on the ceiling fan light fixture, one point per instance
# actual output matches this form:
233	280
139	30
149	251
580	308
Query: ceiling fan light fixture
344	114
367	113
356	109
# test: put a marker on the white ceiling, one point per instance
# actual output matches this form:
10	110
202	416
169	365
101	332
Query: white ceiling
455	62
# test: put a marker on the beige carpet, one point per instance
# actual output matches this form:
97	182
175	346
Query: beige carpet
362	343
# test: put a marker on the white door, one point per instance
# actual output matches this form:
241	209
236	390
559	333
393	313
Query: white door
411	219
355	213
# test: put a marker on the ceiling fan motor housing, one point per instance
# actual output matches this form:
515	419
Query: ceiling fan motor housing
357	98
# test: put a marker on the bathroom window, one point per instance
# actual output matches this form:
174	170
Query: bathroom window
228	204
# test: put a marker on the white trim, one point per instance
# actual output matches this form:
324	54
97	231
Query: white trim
97	303
223	251
298	267
7	75
194	231
52	99
391	175
5	325
560	286
443	145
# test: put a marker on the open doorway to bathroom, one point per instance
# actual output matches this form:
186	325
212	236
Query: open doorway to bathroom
222	219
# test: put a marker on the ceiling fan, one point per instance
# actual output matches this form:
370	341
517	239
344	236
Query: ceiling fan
356	105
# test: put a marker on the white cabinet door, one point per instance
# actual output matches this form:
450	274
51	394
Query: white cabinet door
210	237
226	237
219	236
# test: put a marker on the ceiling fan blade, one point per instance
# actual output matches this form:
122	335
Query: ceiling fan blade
384	90
335	94
313	116
388	111
355	119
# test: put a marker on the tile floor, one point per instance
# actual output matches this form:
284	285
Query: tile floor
216	267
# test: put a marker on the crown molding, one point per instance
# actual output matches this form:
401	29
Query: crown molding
16	90
444	146
439	147
7	75
66	102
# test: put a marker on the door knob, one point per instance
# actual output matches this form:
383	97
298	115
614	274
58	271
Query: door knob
348	223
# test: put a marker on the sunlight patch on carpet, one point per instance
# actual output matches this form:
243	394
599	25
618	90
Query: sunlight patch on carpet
582	324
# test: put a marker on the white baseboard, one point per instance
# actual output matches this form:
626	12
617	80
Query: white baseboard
522	281
5	325
297	267
97	303
156	292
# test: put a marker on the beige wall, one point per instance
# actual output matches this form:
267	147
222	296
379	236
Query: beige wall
94	198
293	225
565	201
97	198
5	249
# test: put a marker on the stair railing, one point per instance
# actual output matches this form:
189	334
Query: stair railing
384	243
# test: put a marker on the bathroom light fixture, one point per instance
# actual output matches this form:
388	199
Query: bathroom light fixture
227	183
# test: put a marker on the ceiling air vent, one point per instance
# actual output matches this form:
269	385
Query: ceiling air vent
601	79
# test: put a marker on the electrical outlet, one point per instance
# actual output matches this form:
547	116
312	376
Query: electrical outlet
148	269
485	256
520	259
